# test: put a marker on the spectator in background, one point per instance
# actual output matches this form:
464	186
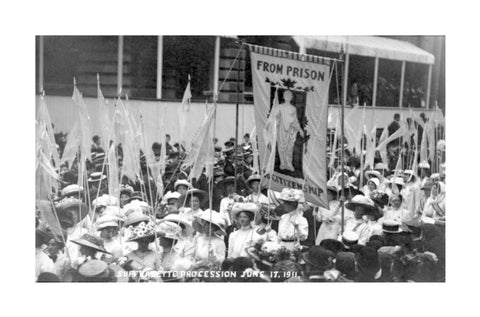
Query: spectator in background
96	148
392	128
354	92
246	140
167	142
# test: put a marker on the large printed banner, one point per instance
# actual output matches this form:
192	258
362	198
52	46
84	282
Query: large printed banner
291	103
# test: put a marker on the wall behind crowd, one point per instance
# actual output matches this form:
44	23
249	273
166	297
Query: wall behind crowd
61	111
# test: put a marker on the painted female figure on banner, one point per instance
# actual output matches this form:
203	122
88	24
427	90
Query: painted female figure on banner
288	127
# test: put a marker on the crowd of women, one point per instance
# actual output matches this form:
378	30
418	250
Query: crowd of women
392	229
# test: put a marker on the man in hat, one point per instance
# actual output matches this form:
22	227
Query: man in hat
246	140
229	154
392	128
98	185
169	147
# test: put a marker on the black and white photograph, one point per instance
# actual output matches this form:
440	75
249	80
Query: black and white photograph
240	158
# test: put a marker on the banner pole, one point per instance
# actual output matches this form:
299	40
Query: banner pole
236	122
342	153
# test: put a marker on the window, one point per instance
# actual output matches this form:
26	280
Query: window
240	75
140	66
82	57
336	83
183	56
415	85
360	76
388	85
37	64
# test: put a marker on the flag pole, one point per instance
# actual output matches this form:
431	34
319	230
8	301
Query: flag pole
236	121
342	153
362	163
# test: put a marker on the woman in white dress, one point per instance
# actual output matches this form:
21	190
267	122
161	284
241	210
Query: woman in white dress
247	235
292	227
209	242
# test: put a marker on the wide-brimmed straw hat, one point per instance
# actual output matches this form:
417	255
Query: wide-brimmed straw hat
361	201
142	230
292	195
247	207
114	211
94	268
71	211
106	221
171	195
135	206
373	173
395	180
214	218
91	241
252	178
182	182
104	201
410	174
374	180
169	230
176	218
136	217
71	189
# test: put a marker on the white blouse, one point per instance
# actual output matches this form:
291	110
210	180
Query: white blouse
293	225
399	215
202	249
254	198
